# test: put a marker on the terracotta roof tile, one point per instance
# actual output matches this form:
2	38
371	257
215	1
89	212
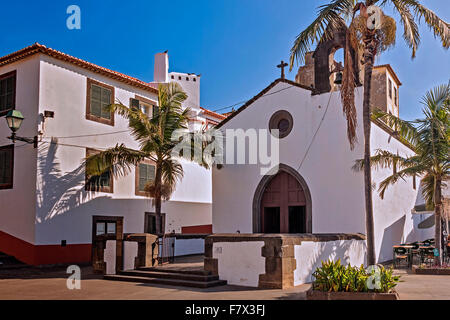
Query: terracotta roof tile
39	48
213	114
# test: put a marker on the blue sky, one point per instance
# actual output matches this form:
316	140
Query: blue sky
234	44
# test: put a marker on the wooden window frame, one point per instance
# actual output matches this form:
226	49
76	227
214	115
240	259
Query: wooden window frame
90	116
107	219
104	189
163	222
4	76
10	185
136	178
147	101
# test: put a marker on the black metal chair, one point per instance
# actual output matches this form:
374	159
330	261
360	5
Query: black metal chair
428	255
401	254
415	251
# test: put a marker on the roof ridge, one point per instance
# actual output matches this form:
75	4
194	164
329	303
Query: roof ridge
37	47
262	93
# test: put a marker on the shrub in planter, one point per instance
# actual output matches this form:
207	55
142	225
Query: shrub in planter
335	277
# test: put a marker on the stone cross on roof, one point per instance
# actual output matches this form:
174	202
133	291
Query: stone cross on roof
282	65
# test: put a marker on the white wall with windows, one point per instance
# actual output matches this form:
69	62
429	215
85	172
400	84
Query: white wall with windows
64	91
17	213
48	203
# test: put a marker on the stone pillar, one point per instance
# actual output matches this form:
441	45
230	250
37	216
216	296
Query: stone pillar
210	264
280	264
147	249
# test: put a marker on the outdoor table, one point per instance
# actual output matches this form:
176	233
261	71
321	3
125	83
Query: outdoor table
408	252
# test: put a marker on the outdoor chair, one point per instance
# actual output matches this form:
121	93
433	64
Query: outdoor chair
415	251
400	254
428	256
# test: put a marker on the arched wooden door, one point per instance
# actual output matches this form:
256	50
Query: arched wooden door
283	206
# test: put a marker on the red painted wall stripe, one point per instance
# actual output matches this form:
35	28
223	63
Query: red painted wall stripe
44	254
207	228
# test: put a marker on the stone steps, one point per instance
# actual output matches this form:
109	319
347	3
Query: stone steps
172	277
179	271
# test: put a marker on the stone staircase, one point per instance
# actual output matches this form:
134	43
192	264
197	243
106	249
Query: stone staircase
183	278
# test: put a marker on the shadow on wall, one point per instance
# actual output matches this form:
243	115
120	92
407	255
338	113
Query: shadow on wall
57	191
392	235
309	256
64	208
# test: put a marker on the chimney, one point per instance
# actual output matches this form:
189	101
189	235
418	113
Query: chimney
161	70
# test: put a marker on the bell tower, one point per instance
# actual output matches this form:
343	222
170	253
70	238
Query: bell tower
320	69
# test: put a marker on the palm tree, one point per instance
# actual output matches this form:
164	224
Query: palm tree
370	33
430	140
154	136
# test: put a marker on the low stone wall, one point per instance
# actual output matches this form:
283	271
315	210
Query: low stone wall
277	261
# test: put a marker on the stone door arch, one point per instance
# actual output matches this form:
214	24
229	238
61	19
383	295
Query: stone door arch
282	203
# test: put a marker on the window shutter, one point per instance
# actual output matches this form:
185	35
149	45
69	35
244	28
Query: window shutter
134	104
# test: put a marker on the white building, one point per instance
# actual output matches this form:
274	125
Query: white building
46	210
315	190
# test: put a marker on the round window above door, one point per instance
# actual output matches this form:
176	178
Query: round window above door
281	120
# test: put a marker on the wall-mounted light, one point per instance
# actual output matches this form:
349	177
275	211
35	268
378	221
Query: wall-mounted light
14	119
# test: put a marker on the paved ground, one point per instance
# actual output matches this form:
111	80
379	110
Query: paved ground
423	287
39	284
51	284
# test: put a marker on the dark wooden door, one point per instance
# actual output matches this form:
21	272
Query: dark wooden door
283	206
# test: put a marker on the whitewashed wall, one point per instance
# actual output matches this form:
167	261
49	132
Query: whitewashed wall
17	213
109	256
309	256
326	169
51	205
130	252
337	191
240	263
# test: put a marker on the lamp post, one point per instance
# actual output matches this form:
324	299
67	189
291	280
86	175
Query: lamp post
14	119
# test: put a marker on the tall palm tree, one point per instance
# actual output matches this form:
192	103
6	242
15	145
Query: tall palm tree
430	140
370	33
154	136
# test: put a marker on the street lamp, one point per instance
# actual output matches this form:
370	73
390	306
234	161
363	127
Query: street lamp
14	120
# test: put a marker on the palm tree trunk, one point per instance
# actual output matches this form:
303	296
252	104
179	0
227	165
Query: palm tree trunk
438	220
369	55
159	228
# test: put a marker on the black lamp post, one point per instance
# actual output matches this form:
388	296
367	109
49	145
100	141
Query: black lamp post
14	120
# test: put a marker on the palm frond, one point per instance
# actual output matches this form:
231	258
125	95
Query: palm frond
404	129
328	20
428	186
348	87
439	27
410	28
402	174
119	160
